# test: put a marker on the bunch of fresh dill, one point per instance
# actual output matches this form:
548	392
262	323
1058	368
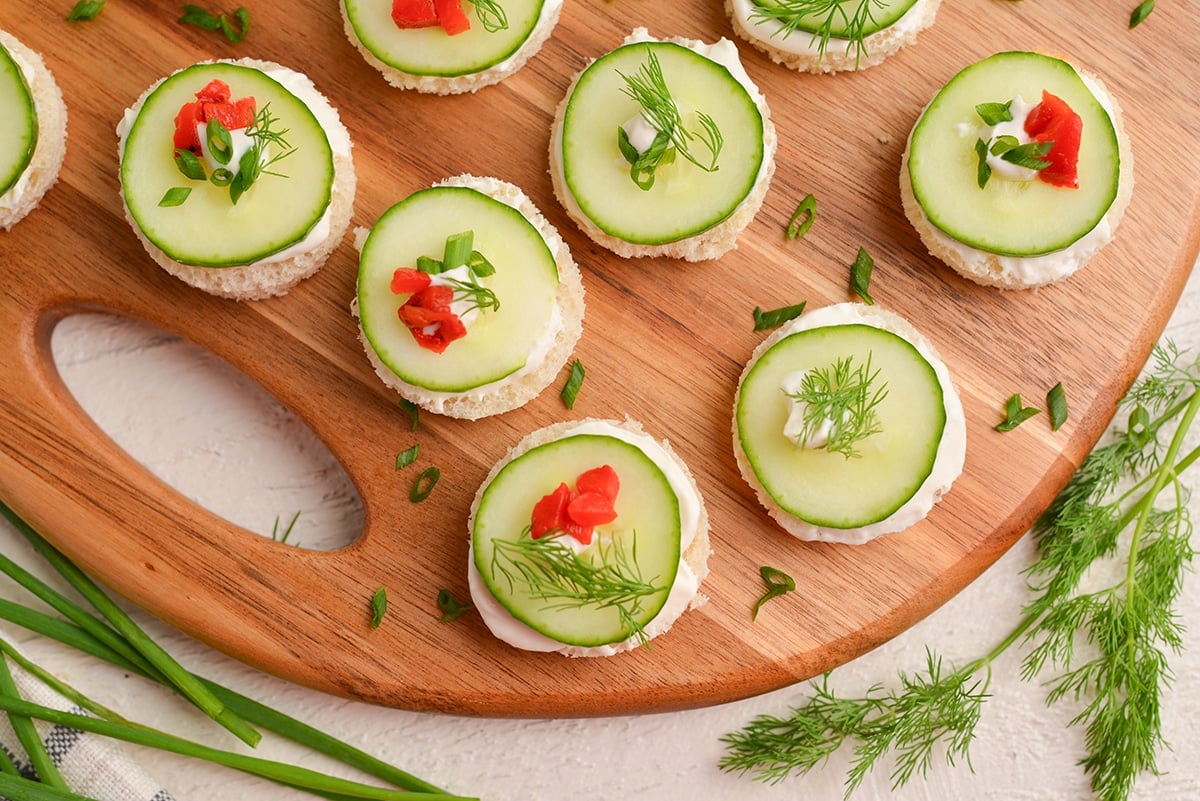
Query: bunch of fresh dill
1106	649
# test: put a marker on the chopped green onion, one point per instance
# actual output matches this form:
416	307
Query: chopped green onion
570	390
175	196
1056	402
480	266
1140	13
85	10
194	15
431	266
1014	414
802	218
413	411
424	484
458	250
764	320
407	456
189	165
778	583
27	735
220	141
983	172
860	276
379	604
995	113
451	607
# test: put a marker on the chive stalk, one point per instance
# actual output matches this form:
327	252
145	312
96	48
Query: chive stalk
27	735
458	250
16	788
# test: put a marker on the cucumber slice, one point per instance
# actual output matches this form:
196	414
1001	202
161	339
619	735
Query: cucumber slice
498	342
1011	218
18	122
431	51
684	200
208	230
838	17
828	489
647	514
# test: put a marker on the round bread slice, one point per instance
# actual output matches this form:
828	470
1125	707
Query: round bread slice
709	244
51	148
1011	272
460	84
514	391
684	595
275	276
800	50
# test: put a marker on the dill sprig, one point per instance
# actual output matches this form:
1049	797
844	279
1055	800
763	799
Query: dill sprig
491	15
254	163
648	87
549	570
474	294
845	396
1108	647
820	17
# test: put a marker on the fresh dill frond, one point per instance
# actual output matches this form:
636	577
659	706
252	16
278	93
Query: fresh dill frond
844	395
820	17
551	571
256	162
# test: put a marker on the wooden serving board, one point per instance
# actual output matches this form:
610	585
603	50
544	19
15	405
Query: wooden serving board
664	343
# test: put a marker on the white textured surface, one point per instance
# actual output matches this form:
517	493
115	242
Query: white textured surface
221	442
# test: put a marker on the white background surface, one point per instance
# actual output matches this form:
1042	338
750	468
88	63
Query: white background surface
218	439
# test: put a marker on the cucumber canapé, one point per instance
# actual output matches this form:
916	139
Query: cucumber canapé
829	488
639	550
499	341
1010	217
431	51
684	199
208	229
18	122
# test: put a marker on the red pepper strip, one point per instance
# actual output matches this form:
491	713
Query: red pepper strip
427	315
414	13
599	479
211	102
450	15
591	509
550	511
406	281
1053	120
578	512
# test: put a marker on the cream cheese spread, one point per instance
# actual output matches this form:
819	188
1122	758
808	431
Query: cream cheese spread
685	589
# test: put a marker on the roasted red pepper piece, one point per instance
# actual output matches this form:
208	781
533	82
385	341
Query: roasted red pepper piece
550	512
601	479
406	281
211	102
414	13
427	315
578	512
591	509
450	15
1053	120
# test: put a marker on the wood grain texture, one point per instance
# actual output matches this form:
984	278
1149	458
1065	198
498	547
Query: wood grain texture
664	343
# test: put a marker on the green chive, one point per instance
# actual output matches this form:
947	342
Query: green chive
860	275
995	113
1014	414
1140	13
802	218
428	265
85	10
451	607
407	456
570	390
764	320
1056	402
175	196
983	172
379	605
413	411
424	484
778	583
458	250
480	266
27	735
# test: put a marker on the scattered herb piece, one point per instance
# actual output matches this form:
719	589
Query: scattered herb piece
778	583
608	577
1130	624
1014	414
791	14
85	10
424	484
407	456
802	218
252	165
764	320
1028	155
649	89
413	411
845	394
860	276
1140	13
570	390
994	113
1056	402
175	196
379	605
195	15
282	537
451	607
983	173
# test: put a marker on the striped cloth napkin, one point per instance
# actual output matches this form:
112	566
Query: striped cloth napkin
92	766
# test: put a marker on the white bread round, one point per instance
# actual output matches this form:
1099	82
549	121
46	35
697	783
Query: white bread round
460	84
706	245
1010	272
509	393
695	555
42	170
951	454
877	47
269	278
